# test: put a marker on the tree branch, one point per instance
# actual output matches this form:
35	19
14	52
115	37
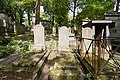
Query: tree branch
69	8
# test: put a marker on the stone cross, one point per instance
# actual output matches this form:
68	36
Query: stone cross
63	44
39	39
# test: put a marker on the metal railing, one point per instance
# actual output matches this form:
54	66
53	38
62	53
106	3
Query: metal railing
103	58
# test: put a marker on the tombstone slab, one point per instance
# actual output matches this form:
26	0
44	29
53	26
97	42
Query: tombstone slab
54	31
63	44
87	33
39	39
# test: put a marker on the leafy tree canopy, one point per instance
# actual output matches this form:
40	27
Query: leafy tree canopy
58	9
94	9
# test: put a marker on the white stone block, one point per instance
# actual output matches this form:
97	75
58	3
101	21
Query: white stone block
63	44
39	39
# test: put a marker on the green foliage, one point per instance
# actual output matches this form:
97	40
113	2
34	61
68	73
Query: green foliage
103	77
58	9
44	16
20	46
15	46
94	9
88	77
74	50
6	51
21	6
113	30
16	8
62	67
28	5
3	41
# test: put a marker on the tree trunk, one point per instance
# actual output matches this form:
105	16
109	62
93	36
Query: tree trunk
74	10
29	18
37	10
117	5
21	16
52	20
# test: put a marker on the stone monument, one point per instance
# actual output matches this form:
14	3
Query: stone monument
115	32
115	16
87	32
39	39
53	31
63	44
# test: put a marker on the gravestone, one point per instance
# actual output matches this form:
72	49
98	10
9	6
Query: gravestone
54	31
87	32
72	40
63	44
4	19
39	39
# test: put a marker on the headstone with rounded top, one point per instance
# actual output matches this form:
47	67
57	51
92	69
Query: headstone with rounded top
63	44
39	39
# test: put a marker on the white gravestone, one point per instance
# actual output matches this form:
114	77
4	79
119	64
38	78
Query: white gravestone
72	40
87	33
63	44
54	31
39	39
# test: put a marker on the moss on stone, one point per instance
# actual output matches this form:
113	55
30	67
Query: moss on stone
64	67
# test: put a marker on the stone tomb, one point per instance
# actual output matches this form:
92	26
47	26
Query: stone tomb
63	44
96	29
39	39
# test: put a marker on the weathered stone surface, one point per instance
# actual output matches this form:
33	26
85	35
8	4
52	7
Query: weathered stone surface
72	41
7	60
87	33
65	68
54	31
39	39
63	44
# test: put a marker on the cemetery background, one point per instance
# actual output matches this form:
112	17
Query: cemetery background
22	58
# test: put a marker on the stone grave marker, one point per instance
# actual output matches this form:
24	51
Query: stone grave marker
54	31
87	33
39	39
72	41
63	44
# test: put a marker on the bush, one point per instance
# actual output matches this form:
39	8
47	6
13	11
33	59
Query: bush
6	51
3	41
113	30
20	46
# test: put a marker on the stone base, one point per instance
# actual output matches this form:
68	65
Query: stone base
61	48
37	47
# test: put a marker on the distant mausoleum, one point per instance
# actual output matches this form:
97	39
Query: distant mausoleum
115	16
